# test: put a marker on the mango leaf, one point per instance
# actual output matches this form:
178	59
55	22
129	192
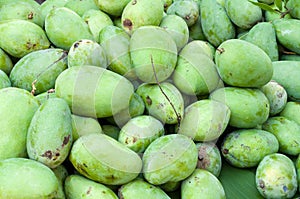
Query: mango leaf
263	6
278	4
238	183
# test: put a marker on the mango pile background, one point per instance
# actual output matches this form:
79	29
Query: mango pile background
149	99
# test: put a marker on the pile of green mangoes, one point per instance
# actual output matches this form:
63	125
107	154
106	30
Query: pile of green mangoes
157	99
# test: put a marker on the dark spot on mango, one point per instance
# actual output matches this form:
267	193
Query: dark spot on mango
148	100
76	45
134	2
225	151
89	190
261	184
30	15
128	24
47	154
66	140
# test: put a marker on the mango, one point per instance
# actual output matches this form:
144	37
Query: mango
17	109
286	73
48	5
202	183
112	7
170	186
287	133
204	120
254	68
215	23
81	6
86	52
6	64
4	80
271	16
167	155
276	177
38	70
196	31
140	189
64	26
42	97
20	37
291	111
61	174
245	148
111	131
93	91
139	13
290	57
251	13
287	33
294	7
249	107
158	106
116	166
77	187
22	178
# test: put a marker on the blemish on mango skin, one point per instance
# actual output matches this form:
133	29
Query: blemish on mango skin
65	141
128	24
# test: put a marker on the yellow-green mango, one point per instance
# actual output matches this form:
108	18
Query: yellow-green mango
253	68
93	91
291	111
78	187
37	71
249	107
48	5
49	136
17	109
22	178
286	73
6	64
81	6
112	7
91	158
294	7
243	13
287	33
64	26
4	80
20	37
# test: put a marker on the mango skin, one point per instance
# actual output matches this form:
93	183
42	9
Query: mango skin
247	147
291	111
78	187
6	64
286	73
49	136
294	7
81	6
202	183
20	41
276	177
249	107
22	178
4	80
48	5
61	174
287	133
287	33
40	68
112	7
43	97
168	154
90	157
63	27
93	91
17	109
254	68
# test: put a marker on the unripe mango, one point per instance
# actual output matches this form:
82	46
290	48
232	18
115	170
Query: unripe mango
291	111
112	7
4	80
5	62
83	126
81	6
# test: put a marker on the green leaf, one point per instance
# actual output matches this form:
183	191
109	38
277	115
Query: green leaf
278	4
263	6
238	183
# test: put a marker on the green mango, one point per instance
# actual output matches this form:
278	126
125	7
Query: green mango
64	27
4	80
112	7
17	109
209	157
153	49
97	20
271	16
287	133
167	155
61	174
48	5
254	68
263	35
6	64
245	148
115	42
177	28
138	133
37	71
49	136
202	183
287	32
170	186
204	120
22	178
249	107
286	73
116	166
93	91
111	131
140	189
290	57
22	10
86	52
167	4
276	95
84	126
291	111
81	6
195	72
20	37
196	31
294	7
250	15
215	23
43	97
276	177
77	187
139	13
158	106
117	22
